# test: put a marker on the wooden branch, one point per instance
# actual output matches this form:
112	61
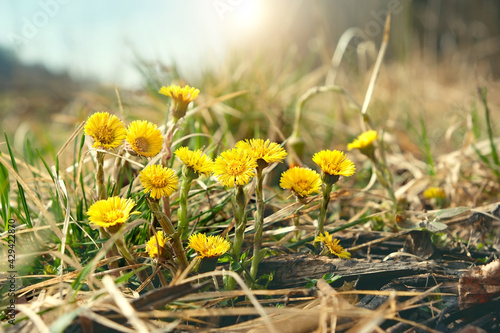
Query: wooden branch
293	270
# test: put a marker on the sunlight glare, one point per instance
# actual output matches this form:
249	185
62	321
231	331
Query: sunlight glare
248	14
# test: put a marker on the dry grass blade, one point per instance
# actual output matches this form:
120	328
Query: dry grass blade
215	101
33	196
285	212
63	194
165	295
107	322
236	293
120	105
245	288
372	321
71	138
37	321
378	63
342	45
127	310
380	240
68	277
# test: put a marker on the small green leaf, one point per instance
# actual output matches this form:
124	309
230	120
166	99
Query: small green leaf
331	277
450	212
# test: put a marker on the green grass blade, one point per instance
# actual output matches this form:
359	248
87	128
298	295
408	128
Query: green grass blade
494	154
46	166
22	196
82	184
78	158
427	148
80	278
476	130
486	161
4	194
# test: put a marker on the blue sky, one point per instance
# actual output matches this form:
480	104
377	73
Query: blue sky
98	39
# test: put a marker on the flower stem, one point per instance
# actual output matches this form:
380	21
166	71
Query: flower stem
239	204
167	144
182	212
259	223
122	248
296	223
327	189
99	177
117	171
101	195
385	179
169	229
165	204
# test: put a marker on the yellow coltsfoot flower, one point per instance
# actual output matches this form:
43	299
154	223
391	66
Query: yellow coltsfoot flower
234	167
195	160
334	163
106	130
144	138
434	192
159	181
111	212
156	242
363	141
208	246
302	181
333	245
181	97
265	152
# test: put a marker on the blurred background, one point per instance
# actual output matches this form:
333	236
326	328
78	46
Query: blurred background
61	60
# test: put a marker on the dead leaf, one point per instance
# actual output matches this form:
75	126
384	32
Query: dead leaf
479	285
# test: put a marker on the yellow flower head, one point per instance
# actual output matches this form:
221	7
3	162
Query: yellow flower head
333	245
302	181
234	167
158	180
151	247
364	140
434	192
181	97
196	160
145	138
208	246
334	163
266	151
111	212
107	130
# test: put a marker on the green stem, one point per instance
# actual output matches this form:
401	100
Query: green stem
182	212
239	204
296	223
117	171
122	248
165	205
259	222
327	189
384	177
167	144
99	177
169	229
102	195
385	182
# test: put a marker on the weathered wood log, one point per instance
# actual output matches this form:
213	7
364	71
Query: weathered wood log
293	270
